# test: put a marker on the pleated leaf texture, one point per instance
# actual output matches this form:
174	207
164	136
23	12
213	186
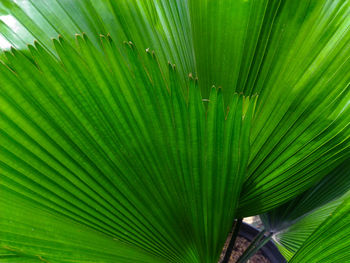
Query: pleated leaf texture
332	187
293	222
290	239
293	54
329	242
98	142
118	148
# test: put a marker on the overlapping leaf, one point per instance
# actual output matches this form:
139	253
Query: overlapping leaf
293	222
294	53
230	40
296	56
96	116
330	188
290	238
328	243
98	139
160	25
301	128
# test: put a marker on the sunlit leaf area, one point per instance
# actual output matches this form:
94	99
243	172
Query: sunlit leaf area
147	130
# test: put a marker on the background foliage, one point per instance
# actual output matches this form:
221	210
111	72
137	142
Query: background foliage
112	142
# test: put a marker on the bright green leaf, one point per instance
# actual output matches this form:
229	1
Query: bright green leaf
328	243
99	139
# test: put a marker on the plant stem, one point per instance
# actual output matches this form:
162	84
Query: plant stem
255	246
235	229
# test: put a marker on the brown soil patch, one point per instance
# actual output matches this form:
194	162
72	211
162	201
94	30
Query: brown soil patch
240	246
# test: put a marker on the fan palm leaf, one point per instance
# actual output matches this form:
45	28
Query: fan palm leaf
293	222
148	168
328	243
119	141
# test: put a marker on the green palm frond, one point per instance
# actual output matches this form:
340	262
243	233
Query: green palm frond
10	256
329	242
130	146
149	24
330	188
296	57
57	238
301	127
100	140
293	222
291	238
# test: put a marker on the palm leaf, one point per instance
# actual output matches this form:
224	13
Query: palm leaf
56	238
292	53
150	24
301	127
8	255
293	222
328	242
330	188
97	116
230	39
290	238
97	139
